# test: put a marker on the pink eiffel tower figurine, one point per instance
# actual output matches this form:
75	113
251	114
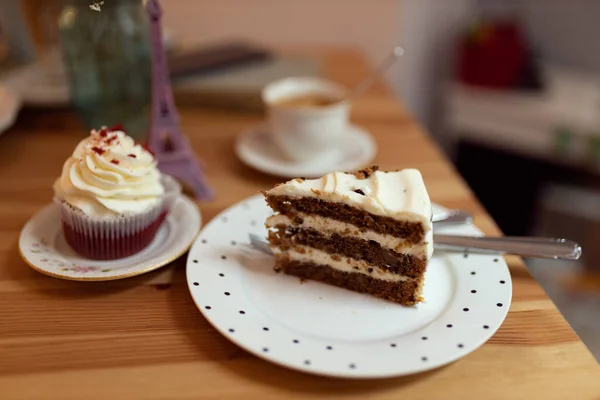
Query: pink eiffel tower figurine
170	147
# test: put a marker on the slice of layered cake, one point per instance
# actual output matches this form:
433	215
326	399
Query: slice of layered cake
368	231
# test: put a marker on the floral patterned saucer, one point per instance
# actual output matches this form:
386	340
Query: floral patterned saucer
43	247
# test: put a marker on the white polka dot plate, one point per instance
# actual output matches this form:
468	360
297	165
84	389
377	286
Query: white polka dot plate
321	329
43	247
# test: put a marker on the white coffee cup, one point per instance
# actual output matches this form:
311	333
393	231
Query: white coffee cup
303	133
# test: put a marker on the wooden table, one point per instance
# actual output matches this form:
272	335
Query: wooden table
144	338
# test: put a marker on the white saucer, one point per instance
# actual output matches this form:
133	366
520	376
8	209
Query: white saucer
42	245
256	149
325	330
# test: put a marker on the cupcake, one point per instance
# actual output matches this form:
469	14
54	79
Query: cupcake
112	196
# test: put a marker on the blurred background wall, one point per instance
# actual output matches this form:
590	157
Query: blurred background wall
422	27
560	30
369	25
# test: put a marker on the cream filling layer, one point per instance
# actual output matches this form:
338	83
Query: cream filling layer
343	264
327	226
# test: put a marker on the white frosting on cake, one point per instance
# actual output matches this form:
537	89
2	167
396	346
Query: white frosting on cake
400	195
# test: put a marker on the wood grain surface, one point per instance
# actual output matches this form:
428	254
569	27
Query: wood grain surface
143	338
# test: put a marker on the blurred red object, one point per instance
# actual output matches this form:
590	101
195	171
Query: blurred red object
493	54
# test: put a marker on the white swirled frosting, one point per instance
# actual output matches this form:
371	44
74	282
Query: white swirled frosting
397	194
109	174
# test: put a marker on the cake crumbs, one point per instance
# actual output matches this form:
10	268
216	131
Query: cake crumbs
366	172
113	161
300	250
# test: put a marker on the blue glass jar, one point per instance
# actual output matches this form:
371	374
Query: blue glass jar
106	52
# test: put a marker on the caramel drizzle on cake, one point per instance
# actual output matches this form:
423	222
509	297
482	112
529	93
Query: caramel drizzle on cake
368	231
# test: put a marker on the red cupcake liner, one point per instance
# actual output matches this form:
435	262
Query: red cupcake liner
108	248
111	238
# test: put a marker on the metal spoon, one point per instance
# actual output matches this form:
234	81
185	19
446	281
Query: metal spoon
532	247
363	85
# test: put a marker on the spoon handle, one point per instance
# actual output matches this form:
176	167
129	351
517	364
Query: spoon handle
370	79
555	248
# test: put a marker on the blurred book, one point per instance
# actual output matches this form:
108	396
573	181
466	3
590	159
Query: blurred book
240	87
215	57
226	75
